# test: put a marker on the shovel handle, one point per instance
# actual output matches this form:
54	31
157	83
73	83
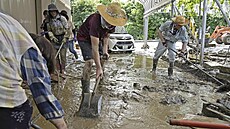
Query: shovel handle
198	67
96	84
94	91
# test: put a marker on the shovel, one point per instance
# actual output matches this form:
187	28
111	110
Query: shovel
91	103
197	67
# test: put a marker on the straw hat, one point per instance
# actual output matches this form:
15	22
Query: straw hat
180	20
113	14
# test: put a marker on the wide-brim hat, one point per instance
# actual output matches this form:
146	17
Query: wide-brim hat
113	14
180	20
52	7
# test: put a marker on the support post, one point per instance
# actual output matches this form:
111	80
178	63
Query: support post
145	45
203	32
222	11
172	8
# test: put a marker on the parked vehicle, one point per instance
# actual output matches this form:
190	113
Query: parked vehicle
221	34
121	41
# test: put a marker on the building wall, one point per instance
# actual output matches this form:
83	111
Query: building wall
22	10
29	12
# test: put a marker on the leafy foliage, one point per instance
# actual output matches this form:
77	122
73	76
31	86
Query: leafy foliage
135	10
81	10
155	20
213	19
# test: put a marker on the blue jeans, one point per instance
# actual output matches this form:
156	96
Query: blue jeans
71	47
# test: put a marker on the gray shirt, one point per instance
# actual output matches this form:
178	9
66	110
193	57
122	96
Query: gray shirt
181	34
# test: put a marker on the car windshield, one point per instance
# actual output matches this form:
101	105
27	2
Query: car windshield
120	30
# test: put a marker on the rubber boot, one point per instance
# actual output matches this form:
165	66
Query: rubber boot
85	86
155	61
170	69
76	56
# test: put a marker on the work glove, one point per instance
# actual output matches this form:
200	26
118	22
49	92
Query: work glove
164	43
55	40
65	40
182	54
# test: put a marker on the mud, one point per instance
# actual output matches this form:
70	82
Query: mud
131	99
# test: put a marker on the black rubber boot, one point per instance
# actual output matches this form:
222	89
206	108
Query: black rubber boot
170	69
76	56
85	86
155	61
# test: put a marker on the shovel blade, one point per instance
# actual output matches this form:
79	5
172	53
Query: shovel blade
90	109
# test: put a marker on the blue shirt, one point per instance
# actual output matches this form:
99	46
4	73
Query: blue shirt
34	71
167	28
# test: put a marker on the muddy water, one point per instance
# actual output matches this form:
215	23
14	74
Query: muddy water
131	99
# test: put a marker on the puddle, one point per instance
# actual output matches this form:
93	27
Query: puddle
131	99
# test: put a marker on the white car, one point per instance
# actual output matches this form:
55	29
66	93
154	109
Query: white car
121	41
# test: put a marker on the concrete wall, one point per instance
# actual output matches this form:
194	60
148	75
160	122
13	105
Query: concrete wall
29	12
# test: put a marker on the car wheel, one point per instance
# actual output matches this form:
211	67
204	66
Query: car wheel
218	40
226	40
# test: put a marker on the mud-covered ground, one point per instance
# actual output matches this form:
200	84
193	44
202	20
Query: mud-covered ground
131	99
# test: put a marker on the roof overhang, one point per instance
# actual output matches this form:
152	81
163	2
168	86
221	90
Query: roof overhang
152	5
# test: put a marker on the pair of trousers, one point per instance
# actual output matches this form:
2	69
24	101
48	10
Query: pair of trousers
71	47
16	118
161	50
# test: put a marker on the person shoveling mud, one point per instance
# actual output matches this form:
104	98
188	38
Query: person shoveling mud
169	33
93	39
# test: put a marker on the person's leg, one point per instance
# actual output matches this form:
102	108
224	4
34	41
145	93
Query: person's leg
16	118
171	55
158	53
71	48
86	50
58	60
63	58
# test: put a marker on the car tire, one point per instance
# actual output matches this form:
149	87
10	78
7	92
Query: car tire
218	40
226	40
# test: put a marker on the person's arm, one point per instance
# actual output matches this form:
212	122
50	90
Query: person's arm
162	28
184	41
50	33
35	72
105	46
66	25
184	47
96	56
161	36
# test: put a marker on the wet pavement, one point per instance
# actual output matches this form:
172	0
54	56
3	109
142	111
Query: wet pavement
131	99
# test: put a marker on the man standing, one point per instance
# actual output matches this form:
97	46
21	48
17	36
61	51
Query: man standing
57	27
21	61
44	24
169	33
93	39
72	34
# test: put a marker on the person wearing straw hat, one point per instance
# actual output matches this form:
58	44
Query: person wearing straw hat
169	33
93	36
